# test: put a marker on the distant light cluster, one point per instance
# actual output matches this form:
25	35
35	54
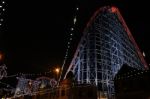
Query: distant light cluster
2	10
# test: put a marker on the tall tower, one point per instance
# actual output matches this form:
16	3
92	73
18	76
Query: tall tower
105	46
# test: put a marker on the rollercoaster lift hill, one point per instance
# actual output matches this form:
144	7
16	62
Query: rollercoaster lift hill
105	46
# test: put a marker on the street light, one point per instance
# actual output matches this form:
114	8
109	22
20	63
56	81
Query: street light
57	70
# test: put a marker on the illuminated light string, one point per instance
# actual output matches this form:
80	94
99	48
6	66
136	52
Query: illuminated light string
69	42
2	9
27	74
144	54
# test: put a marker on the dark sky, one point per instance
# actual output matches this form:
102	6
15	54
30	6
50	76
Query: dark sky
36	32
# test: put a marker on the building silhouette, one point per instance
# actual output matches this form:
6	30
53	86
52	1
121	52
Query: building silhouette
105	46
131	83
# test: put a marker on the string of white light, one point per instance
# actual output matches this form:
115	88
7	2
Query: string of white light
2	10
27	74
69	42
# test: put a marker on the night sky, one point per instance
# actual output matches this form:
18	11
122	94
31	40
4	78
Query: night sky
35	32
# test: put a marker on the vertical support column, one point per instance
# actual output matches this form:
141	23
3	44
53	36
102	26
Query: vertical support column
78	66
96	70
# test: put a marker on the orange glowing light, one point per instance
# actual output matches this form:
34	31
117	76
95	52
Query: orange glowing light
57	70
1	56
113	9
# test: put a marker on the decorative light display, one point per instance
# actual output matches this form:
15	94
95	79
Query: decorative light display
35	85
21	87
26	87
53	83
31	87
